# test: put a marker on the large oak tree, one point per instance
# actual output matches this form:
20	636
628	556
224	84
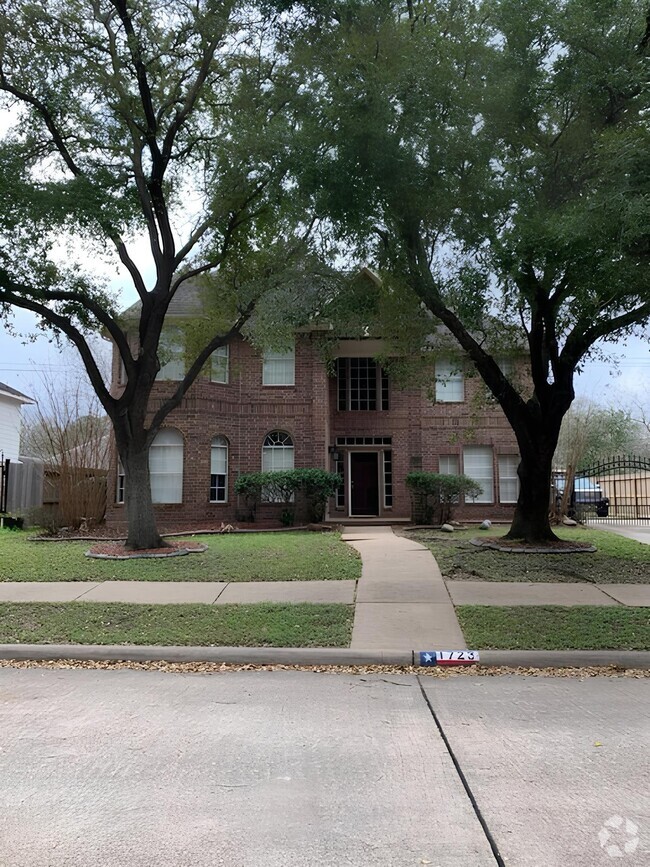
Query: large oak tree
143	118
493	160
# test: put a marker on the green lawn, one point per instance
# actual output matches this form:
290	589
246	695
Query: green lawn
555	628
262	625
617	561
299	556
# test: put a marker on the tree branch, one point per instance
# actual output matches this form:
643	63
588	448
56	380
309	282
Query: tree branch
581	339
64	325
42	109
191	375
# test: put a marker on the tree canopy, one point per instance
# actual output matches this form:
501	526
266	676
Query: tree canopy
492	160
144	119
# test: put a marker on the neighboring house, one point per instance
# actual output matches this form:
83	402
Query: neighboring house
21	478
253	411
11	402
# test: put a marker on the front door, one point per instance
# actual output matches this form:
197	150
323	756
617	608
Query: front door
364	484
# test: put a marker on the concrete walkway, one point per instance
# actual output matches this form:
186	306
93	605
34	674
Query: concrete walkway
638	532
402	601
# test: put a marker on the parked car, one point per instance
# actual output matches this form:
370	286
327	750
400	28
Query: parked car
586	490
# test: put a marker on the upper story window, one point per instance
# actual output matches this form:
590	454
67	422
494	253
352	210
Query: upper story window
171	353
362	384
450	382
279	368
507	366
219	364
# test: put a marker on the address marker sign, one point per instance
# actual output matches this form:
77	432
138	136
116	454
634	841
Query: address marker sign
448	657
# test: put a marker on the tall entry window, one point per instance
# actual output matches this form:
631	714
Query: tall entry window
362	384
219	470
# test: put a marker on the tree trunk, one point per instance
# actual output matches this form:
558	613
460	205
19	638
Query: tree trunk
531	522
142	527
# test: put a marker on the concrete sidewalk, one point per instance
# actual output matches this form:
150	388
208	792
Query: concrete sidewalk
539	593
175	592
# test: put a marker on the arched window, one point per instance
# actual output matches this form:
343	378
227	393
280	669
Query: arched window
166	467
277	452
219	470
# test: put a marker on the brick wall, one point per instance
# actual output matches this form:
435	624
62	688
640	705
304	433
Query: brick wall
245	411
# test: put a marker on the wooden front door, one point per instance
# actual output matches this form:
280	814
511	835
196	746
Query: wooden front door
364	484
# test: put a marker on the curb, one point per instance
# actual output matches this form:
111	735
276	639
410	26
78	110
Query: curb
307	656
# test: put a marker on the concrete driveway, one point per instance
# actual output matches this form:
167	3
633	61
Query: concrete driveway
297	768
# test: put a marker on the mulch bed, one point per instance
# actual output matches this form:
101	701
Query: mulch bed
117	551
510	546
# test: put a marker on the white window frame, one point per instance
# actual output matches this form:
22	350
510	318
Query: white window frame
220	364
120	487
219	467
449	465
277	448
279	367
478	464
508	478
166	483
278	444
450	381
171	344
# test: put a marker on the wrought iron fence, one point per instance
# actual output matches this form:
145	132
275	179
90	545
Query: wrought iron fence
617	490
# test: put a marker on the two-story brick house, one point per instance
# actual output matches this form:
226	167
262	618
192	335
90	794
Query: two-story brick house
256	411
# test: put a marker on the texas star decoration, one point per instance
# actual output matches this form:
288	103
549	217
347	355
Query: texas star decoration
449	657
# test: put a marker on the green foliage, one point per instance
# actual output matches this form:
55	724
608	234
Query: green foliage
591	433
309	488
434	494
616	560
160	122
262	624
290	556
554	627
492	158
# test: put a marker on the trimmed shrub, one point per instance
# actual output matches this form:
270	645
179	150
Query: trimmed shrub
303	492
434	495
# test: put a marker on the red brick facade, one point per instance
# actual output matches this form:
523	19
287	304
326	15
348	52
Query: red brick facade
414	430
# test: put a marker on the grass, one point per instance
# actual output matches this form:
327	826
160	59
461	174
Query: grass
555	627
617	561
299	556
262	625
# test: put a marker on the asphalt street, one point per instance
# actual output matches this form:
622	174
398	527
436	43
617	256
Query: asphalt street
279	768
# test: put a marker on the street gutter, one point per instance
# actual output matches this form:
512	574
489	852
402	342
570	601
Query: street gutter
308	656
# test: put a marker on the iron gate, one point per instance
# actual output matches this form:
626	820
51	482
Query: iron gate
617	489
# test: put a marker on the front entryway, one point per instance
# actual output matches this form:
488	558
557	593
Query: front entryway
364	484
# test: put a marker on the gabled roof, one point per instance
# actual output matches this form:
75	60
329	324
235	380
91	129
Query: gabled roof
185	303
14	394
